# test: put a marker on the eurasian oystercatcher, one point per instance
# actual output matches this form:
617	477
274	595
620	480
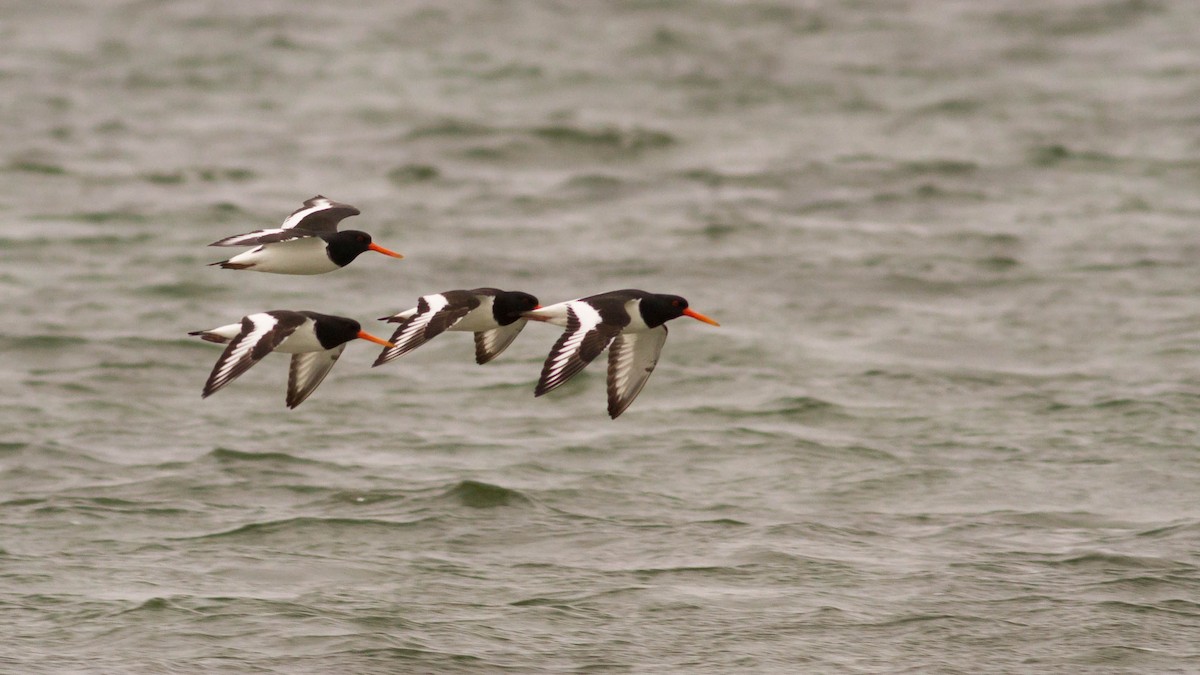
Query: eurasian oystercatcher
492	314
633	322
308	242
314	340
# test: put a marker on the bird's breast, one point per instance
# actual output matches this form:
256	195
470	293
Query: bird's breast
295	256
304	339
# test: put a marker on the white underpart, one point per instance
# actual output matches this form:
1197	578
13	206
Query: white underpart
294	219
478	319
589	318
296	256
304	339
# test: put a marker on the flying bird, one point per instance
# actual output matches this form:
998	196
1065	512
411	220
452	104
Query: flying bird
308	242
630	323
314	340
495	316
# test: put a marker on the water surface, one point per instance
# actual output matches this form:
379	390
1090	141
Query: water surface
949	423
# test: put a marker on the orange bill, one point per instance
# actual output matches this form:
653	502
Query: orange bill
364	335
699	317
379	249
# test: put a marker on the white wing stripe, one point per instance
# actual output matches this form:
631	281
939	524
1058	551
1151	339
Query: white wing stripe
436	303
263	323
295	219
588	319
248	238
412	333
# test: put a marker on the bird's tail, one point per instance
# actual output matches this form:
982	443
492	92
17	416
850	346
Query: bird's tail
210	336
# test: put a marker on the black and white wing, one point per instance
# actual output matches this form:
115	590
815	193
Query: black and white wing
259	237
489	343
318	216
261	333
434	314
585	338
308	371
631	359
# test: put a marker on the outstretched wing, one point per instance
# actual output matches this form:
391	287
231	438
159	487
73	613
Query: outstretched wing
434	314
489	343
261	333
319	215
631	359
259	237
308	371
585	338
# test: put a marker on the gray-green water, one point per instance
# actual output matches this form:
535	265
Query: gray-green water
950	423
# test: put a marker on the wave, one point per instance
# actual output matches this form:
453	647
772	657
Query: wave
309	527
42	342
102	505
181	289
486	142
478	495
1109	562
798	408
1191	528
451	128
230	456
632	139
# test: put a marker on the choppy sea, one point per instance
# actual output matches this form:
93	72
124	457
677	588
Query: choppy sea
950	423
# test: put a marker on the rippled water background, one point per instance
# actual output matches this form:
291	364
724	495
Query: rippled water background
949	423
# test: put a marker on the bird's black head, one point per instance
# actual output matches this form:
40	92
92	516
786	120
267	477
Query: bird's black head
343	247
508	306
334	330
658	308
